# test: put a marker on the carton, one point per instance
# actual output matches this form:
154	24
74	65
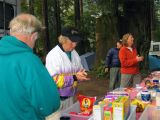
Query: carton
121	108
98	111
108	113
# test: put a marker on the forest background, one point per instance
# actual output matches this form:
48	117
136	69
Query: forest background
102	23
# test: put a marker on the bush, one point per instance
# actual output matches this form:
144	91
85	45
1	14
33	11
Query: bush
99	71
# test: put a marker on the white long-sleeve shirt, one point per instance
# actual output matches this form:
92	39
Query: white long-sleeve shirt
62	69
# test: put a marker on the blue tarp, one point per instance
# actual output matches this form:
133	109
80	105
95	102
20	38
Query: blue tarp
154	63
88	60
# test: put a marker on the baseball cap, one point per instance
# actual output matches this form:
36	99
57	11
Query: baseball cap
72	33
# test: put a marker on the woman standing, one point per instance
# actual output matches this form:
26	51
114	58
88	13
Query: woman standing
130	74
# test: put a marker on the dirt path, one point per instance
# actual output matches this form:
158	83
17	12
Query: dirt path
94	87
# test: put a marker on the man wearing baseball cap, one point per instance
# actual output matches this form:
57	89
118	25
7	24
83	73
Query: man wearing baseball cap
64	65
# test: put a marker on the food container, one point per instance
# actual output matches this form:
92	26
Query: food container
74	108
145	96
150	113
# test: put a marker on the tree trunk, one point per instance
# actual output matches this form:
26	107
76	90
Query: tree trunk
31	8
137	15
45	21
77	13
144	49
81	8
57	18
31	11
106	32
106	37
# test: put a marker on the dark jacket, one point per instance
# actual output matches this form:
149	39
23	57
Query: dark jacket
112	59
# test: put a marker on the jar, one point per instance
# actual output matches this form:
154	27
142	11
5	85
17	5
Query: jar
145	96
156	82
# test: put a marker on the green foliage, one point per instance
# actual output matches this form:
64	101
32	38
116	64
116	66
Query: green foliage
24	7
99	72
100	7
87	23
39	47
67	19
88	28
67	12
105	6
38	8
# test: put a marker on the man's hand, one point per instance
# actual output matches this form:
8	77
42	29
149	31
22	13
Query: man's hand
82	75
106	70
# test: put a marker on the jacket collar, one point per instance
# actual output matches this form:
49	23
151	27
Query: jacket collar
61	47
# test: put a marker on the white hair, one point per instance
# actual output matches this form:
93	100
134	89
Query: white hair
62	39
25	24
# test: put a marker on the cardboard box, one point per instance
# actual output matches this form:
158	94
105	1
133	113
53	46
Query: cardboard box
121	108
108	113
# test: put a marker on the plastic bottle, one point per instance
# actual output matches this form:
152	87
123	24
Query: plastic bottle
158	99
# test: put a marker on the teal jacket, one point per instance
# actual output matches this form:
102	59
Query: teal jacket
27	92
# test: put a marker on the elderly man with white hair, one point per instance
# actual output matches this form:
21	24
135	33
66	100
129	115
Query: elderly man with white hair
27	90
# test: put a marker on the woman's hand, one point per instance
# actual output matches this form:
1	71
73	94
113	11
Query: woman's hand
82	75
139	58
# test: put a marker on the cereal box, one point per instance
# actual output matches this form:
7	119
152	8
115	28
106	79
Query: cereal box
121	107
108	113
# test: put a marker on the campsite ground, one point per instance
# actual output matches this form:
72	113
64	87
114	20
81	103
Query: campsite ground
94	87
